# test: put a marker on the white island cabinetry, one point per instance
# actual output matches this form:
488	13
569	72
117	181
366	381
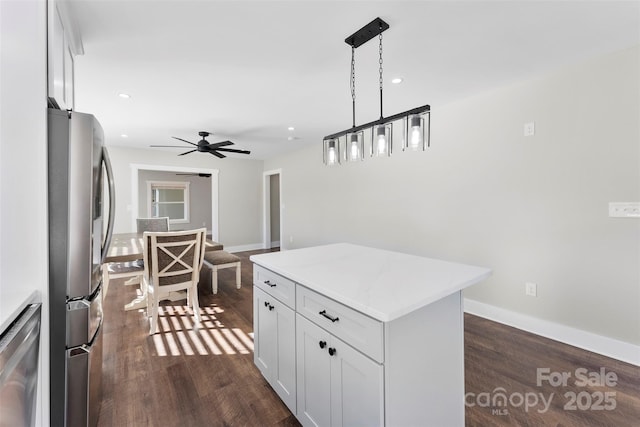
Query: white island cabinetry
275	335
378	335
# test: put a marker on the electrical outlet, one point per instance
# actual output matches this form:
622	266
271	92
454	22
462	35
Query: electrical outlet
531	289
529	129
624	210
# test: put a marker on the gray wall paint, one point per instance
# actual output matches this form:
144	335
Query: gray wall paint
274	204
240	206
531	208
199	195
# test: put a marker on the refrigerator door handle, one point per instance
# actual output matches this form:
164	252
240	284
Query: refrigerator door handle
112	204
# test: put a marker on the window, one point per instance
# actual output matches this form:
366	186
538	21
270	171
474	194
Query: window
169	199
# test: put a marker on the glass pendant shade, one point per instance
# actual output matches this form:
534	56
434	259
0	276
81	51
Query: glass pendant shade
414	132
381	140
331	152
354	150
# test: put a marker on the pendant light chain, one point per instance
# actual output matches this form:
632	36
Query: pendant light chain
353	83
380	69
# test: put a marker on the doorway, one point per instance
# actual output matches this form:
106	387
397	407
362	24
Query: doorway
272	207
135	173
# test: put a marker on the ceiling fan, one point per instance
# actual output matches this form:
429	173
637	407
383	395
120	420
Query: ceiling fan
204	146
201	175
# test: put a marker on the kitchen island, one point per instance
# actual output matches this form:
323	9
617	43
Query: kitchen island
350	335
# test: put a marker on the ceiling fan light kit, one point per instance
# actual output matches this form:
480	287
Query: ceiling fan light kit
416	122
204	146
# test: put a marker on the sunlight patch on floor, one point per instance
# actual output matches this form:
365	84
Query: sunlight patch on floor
178	335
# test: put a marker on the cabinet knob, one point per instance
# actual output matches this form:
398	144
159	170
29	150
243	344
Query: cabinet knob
323	344
271	307
266	304
332	351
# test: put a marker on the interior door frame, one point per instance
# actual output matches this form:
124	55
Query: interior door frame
266	207
136	167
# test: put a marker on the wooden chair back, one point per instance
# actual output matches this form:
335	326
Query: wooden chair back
152	224
173	258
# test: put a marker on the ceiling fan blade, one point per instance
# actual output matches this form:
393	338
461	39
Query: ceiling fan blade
183	140
187	152
215	153
220	144
233	150
170	146
200	174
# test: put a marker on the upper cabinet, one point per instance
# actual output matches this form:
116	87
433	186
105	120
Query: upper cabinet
63	45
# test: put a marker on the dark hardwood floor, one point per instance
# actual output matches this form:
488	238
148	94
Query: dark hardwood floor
206	377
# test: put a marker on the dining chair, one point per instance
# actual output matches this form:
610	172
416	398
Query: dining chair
152	224
172	262
133	269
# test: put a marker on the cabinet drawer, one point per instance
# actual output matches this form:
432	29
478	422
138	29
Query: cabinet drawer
353	327
275	285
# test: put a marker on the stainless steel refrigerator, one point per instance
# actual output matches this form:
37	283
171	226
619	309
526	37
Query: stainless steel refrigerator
80	188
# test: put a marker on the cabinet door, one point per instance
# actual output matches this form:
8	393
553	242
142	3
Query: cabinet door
264	349
314	369
274	345
356	388
56	54
284	368
68	78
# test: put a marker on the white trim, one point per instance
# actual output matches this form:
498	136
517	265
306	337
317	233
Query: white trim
266	208
275	244
243	248
136	167
605	346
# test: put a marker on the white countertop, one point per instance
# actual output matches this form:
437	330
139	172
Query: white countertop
382	284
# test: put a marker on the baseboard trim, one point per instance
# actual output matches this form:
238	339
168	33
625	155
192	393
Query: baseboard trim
243	248
605	346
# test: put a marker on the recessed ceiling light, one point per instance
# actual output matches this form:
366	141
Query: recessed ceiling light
124	95
397	80
124	135
291	128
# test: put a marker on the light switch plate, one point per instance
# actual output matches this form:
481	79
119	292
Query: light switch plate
624	209
529	129
531	289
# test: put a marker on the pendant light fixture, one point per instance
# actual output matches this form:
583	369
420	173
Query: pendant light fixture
415	137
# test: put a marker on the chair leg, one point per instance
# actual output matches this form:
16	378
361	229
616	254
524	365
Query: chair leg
105	279
195	305
135	280
214	280
152	302
238	276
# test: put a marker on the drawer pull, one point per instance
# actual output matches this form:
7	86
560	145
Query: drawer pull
268	283
332	351
324	314
323	344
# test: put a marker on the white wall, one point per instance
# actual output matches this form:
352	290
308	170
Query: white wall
239	190
531	208
23	169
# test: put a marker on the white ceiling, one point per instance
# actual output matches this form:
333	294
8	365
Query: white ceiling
247	70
